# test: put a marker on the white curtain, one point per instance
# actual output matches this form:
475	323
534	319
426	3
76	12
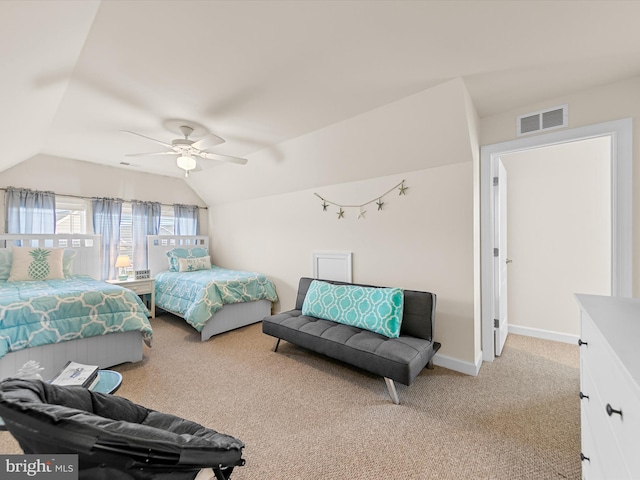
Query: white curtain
30	211
107	213
145	219
185	220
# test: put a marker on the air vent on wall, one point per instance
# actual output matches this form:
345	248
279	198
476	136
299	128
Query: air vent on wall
552	118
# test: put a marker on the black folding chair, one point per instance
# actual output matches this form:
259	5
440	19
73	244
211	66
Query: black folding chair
113	437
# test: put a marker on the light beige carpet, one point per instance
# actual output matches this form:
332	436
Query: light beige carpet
302	416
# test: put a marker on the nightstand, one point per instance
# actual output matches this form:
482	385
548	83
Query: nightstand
141	287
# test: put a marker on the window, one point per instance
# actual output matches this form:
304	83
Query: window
126	228
166	220
71	215
126	234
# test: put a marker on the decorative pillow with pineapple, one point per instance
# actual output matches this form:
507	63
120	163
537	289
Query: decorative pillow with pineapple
36	264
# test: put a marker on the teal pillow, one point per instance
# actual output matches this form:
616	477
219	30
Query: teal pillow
371	308
175	254
5	263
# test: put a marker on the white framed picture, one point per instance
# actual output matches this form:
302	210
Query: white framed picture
332	266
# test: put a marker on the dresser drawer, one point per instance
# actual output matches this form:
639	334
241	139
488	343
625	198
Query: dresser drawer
610	375
615	393
592	464
604	379
608	455
140	288
594	346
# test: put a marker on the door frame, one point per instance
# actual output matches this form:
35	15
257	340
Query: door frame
621	133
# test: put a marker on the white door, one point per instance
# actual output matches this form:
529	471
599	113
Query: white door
501	325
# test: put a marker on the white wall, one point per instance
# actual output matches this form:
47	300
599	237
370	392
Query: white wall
474	134
588	107
559	232
422	241
73	177
425	130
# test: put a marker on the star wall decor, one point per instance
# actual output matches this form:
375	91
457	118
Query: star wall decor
361	211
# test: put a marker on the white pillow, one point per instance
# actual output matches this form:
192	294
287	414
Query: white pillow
182	252
67	262
193	264
36	264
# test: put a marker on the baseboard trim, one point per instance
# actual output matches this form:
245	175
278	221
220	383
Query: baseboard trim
544	334
461	366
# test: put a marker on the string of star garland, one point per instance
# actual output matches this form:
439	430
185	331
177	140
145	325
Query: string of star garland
402	190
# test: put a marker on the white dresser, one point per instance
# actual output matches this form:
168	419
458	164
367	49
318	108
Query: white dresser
610	387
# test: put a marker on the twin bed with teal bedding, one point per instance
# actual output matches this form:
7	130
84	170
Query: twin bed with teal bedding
35	313
210	298
198	295
58	312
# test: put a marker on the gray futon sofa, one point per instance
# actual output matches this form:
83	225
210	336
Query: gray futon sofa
396	359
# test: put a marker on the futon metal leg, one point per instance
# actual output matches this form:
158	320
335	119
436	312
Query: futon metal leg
222	474
275	347
430	364
392	390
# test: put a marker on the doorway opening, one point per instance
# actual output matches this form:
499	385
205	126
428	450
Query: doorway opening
620	135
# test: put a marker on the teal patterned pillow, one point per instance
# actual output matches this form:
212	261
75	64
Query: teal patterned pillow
371	308
5	263
175	254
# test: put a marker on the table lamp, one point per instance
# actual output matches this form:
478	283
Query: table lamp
122	262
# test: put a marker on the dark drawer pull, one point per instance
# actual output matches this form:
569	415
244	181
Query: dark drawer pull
582	395
583	458
580	342
611	410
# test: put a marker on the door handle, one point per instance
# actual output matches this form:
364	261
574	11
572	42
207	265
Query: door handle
509	260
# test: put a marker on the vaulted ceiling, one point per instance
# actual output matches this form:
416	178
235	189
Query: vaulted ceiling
257	73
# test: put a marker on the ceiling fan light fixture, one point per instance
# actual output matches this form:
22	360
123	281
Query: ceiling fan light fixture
186	162
187	149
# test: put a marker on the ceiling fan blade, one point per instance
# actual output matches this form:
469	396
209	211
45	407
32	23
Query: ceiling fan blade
168	145
224	158
209	141
149	154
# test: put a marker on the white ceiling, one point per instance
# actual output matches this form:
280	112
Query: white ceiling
261	72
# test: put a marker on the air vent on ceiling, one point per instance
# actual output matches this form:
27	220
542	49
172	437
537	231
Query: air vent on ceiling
552	118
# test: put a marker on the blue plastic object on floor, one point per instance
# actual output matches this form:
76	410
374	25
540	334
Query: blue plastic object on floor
109	382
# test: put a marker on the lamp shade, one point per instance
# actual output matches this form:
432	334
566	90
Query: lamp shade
123	261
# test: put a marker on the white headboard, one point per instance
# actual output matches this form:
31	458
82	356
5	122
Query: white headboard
159	245
87	259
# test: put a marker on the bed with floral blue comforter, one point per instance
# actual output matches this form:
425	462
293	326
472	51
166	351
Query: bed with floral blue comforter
35	313
196	296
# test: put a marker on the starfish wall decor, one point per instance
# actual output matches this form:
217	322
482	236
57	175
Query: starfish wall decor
402	190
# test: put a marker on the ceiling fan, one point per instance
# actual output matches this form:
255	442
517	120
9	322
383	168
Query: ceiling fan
187	149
